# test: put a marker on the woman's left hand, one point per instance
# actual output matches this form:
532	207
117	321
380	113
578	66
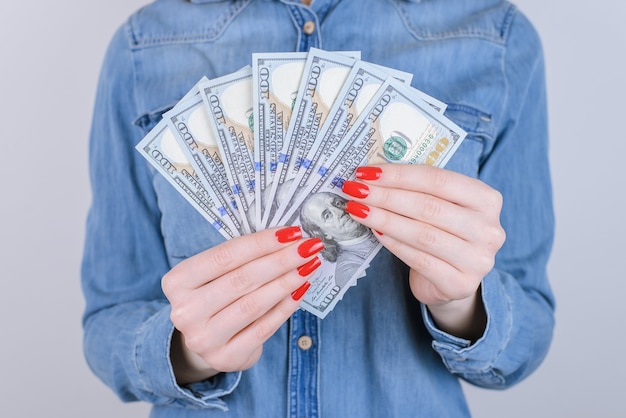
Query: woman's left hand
444	225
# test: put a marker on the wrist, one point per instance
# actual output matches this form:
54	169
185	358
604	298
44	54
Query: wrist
464	318
188	366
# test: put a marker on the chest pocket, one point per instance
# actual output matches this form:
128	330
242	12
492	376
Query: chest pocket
479	140
185	232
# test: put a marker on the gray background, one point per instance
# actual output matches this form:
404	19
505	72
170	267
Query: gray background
50	54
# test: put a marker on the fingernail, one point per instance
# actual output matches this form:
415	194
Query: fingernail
299	292
369	173
310	247
355	189
289	234
357	209
378	232
309	267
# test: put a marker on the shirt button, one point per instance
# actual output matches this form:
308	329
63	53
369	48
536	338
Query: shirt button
305	342
308	27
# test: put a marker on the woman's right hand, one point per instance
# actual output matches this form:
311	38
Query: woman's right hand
228	300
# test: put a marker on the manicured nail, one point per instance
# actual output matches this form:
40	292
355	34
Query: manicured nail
289	234
357	209
299	292
355	189
369	173
309	267
378	232
310	247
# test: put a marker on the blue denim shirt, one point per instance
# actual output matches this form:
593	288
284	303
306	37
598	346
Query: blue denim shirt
378	353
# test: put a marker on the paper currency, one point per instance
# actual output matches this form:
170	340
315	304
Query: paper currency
275	81
273	143
323	76
360	85
228	101
163	152
189	123
397	126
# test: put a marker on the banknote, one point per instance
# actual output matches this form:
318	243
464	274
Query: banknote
228	101
323	76
360	85
163	152
189	122
397	126
275	81
273	143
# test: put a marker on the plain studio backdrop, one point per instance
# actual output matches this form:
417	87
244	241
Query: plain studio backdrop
51	52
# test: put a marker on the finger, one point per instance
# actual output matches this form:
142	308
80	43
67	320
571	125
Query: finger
445	281
445	184
249	308
420	206
232	286
258	332
228	256
411	235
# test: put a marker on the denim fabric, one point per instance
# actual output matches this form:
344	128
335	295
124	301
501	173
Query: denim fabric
378	353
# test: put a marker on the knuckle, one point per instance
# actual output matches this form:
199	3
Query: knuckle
168	283
422	261
224	255
285	261
384	220
238	280
493	200
286	284
501	236
439	178
494	237
248	307
427	237
393	174
431	207
178	316
487	262
383	195
262	331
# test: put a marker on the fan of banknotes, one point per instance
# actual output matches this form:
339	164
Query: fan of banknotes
271	144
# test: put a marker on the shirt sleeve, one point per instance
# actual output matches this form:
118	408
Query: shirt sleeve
127	329
516	293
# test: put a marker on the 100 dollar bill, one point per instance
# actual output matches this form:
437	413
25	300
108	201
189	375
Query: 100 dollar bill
275	81
398	127
162	151
323	76
361	84
190	125
228	101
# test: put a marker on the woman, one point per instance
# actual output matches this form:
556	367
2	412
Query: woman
201	327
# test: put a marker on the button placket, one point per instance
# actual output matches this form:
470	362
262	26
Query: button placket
306	20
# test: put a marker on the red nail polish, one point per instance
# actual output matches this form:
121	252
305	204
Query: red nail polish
310	247
355	189
309	267
357	209
378	232
369	173
289	234
299	292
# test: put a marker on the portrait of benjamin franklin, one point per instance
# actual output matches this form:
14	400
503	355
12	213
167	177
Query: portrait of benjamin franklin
346	242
